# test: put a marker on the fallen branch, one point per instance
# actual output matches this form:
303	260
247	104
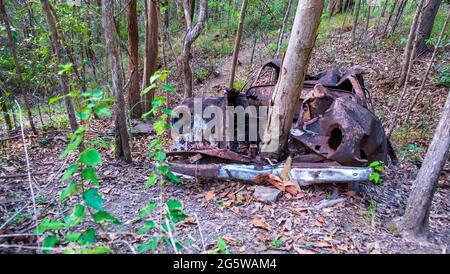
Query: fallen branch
329	203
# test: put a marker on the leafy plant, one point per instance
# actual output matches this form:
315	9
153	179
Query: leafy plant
377	168
173	213
221	247
90	199
276	243
411	152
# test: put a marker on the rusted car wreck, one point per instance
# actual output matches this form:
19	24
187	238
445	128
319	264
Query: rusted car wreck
334	136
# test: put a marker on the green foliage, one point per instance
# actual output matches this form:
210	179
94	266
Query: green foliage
377	168
276	243
411	152
443	76
221	247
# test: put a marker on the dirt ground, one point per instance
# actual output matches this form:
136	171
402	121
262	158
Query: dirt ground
363	223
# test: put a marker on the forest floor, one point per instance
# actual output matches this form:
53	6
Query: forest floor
362	223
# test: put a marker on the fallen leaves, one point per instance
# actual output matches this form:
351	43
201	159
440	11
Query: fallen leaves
209	195
260	223
285	186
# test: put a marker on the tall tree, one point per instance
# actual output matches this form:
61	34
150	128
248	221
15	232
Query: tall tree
408	57
288	89
151	50
134	97
192	32
20	83
416	218
122	143
281	34
355	20
57	50
237	42
5	112
426	26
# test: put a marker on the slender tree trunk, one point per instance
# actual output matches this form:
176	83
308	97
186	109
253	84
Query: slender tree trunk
56	46
391	13
122	148
20	83
134	96
355	20
410	44
288	89
416	218
281	34
366	27
383	11
192	32
430	64
237	43
6	113
426	26
400	10
151	58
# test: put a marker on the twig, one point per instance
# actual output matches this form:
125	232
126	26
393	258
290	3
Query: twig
172	241
200	231
28	166
330	203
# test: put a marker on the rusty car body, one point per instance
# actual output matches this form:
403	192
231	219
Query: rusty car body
334	136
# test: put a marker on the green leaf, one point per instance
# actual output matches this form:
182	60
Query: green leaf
55	99
77	215
72	237
105	217
49	242
151	180
175	214
374	164
93	199
221	245
90	174
160	126
46	224
152	244
375	177
147	89
69	190
147	226
88	237
69	172
173	177
75	141
168	87
160	156
90	157
163	169
96	250
84	114
144	212
103	110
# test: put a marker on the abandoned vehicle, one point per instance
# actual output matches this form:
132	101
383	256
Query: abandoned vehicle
334	137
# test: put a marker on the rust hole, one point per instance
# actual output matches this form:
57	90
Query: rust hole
335	138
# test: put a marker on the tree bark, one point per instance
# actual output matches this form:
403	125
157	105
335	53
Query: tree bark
416	218
400	10
288	89
134	97
151	58
192	32
237	43
20	83
391	13
383	11
410	44
355	20
426	26
122	145
57	47
5	112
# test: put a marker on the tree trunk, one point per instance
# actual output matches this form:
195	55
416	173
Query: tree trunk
134	97
426	26
151	58
288	90
281	34
366	27
355	20
383	11
56	46
391	13
192	32
400	10
409	45
416	218
5	113
122	148
20	83
237	43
